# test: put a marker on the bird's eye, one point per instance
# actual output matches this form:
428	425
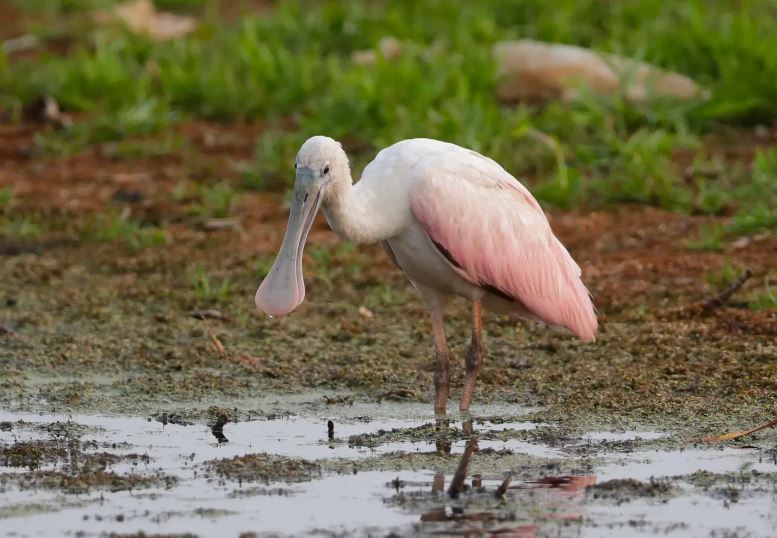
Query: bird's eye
295	166
326	169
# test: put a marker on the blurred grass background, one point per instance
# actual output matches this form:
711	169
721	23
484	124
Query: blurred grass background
289	65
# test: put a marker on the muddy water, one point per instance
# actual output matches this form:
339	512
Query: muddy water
623	484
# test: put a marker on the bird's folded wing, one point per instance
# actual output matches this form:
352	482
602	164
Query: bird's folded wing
495	231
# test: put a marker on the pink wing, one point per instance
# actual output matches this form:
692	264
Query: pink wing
497	234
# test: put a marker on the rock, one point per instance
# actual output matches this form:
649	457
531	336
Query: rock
47	109
141	17
529	70
19	44
389	47
365	312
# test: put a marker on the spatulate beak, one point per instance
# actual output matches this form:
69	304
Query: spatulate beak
284	288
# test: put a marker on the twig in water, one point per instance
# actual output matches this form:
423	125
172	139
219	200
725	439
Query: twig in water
724	296
502	489
457	483
736	435
217	345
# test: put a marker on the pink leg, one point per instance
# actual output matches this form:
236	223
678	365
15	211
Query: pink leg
474	356
442	376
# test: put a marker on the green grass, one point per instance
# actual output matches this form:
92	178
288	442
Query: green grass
710	237
725	275
767	299
273	163
6	196
332	262
758	198
131	233
262	266
145	147
760	298
754	220
21	227
294	63
144	118
62	7
215	201
180	5
206	289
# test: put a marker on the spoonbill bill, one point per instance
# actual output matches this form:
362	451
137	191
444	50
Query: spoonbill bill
455	222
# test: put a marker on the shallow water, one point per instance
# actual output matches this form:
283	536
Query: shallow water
371	500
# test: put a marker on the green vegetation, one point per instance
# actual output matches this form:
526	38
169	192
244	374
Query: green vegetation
295	61
707	238
765	299
117	227
758	211
272	168
6	196
725	275
215	200
21	227
262	266
333	263
206	289
134	120
62	7
291	68
145	148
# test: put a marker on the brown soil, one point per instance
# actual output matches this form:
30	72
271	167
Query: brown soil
88	181
656	355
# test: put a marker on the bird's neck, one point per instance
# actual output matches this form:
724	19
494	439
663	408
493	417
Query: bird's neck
354	213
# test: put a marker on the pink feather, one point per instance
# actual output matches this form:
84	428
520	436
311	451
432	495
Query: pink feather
496	231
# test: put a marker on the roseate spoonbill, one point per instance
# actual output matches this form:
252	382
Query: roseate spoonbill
455	222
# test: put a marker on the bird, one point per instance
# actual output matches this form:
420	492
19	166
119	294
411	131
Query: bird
455	222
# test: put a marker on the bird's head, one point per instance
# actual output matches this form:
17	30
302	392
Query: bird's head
320	163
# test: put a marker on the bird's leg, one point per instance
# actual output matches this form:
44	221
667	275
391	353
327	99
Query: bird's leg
474	356
442	376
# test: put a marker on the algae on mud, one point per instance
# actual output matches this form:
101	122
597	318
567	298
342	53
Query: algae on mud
265	467
73	466
128	341
394	485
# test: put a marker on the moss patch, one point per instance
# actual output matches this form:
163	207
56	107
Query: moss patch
265	468
624	490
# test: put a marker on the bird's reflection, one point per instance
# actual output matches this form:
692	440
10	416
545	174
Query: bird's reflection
443	441
438	483
559	496
467	425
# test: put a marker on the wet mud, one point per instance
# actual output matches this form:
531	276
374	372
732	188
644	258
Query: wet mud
389	467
